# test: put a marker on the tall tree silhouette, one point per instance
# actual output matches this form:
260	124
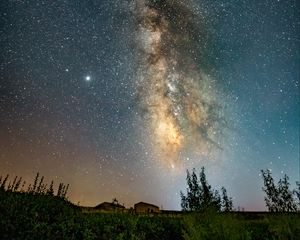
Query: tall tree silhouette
297	193
278	198
200	195
286	195
272	198
227	204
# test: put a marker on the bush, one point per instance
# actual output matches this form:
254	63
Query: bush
28	216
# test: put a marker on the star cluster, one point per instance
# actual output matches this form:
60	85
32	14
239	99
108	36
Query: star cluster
174	91
118	98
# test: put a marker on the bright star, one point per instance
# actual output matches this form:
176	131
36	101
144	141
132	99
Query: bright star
88	78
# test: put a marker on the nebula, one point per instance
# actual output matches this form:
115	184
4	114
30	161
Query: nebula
177	96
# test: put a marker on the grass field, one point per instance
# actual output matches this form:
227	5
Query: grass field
29	216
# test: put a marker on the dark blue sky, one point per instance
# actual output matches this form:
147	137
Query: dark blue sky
92	134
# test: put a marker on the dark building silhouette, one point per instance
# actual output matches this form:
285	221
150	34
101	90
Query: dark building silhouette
110	206
143	207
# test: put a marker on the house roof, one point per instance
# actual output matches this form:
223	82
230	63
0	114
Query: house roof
113	205
144	203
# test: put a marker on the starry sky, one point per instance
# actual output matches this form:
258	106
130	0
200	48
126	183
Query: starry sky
119	98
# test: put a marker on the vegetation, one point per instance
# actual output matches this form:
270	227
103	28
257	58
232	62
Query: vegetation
200	196
280	198
38	213
297	193
210	225
37	188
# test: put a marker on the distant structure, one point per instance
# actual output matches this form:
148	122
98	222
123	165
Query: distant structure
143	207
113	206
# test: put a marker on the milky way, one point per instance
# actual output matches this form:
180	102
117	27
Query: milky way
176	94
118	98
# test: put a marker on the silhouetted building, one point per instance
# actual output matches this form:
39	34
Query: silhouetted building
111	207
143	207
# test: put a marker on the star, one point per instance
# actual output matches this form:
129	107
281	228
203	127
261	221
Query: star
175	88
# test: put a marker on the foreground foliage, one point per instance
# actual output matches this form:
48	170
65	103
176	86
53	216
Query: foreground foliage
246	226
31	216
280	198
200	196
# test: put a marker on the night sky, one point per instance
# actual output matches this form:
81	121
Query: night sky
118	98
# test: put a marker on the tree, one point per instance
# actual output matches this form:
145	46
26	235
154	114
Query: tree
191	202
200	195
286	199
50	191
297	193
3	182
227	204
62	190
279	198
272	200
